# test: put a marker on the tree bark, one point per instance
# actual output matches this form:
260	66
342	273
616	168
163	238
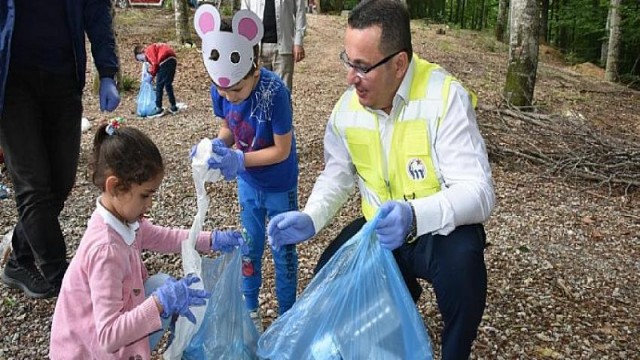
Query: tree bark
544	21
501	22
523	53
613	51
181	10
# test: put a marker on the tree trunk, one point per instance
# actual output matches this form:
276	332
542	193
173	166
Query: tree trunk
613	52
181	10
523	53
605	41
544	21
501	22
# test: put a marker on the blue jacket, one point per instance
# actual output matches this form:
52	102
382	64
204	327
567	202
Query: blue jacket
90	16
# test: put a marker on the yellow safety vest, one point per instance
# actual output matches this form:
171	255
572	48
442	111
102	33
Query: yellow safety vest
410	167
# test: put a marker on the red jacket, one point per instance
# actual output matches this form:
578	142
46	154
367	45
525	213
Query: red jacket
156	54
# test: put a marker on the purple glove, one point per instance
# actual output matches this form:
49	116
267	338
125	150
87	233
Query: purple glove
227	240
176	297
109	96
394	223
231	162
291	227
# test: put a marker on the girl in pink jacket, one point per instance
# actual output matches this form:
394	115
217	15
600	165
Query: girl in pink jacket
107	307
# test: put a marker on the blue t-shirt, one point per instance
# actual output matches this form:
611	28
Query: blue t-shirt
253	122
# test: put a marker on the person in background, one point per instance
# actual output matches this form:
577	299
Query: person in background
285	23
406	132
42	75
108	307
255	107
162	66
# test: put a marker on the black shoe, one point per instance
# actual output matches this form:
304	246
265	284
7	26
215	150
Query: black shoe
28	279
174	109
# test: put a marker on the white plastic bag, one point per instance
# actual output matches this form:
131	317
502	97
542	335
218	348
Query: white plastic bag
191	261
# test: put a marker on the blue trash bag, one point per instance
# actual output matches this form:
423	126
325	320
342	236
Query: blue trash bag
227	331
356	307
146	99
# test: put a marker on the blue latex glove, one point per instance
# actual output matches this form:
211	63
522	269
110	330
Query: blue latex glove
230	164
176	297
394	223
227	240
217	143
109	96
146	77
291	227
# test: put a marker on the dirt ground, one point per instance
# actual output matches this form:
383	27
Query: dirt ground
563	259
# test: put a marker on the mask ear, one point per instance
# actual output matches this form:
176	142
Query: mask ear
206	19
248	25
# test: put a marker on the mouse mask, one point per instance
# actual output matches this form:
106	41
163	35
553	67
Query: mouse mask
227	56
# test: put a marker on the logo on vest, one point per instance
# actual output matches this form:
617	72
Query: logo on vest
416	170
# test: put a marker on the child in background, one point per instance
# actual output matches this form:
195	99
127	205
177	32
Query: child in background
162	65
255	106
107	306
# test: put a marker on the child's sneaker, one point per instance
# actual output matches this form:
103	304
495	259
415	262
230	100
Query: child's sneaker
173	109
157	112
257	320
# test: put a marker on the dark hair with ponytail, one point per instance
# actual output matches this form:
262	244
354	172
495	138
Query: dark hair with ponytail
126	153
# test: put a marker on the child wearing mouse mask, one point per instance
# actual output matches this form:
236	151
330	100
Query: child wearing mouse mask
254	106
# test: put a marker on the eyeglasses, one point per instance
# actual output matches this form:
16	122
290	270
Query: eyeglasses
362	71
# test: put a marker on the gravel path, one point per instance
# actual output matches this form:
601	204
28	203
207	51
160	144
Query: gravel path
563	258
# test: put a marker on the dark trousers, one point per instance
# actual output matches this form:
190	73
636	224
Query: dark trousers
164	80
454	265
40	135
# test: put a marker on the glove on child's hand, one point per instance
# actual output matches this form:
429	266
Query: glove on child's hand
176	297
227	240
230	163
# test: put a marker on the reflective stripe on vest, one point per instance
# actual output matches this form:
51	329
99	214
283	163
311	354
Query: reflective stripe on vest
410	167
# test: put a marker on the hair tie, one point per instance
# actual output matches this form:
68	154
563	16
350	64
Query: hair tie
114	124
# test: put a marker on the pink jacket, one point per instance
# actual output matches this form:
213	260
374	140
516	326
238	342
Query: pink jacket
102	311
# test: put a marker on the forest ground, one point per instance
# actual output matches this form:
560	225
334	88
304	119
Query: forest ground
563	258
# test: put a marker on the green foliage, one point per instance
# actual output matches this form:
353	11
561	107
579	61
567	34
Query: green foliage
128	83
350	4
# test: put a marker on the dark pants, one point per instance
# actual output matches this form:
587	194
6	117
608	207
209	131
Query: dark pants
40	135
454	265
164	80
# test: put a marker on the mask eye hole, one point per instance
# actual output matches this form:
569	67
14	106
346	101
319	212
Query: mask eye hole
215	55
235	57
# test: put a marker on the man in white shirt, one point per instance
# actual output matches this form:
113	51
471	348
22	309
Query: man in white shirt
406	130
285	23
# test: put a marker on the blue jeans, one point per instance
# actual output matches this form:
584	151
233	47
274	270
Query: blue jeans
454	265
150	285
256	208
164	80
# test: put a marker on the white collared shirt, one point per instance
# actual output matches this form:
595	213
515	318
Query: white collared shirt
459	155
127	231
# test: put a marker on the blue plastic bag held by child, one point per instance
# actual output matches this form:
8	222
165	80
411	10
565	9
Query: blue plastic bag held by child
227	331
356	307
146	101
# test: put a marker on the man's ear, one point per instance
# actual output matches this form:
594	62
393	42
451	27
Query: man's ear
401	64
111	185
